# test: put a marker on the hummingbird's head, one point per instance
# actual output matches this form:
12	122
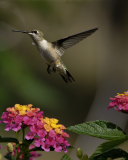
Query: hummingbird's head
35	34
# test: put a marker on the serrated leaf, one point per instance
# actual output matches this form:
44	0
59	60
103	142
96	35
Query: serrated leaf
101	129
8	139
107	147
65	157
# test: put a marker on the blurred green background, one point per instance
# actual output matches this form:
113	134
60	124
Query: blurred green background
99	59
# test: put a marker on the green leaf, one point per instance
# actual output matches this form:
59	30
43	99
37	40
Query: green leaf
100	129
65	157
8	139
114	153
108	148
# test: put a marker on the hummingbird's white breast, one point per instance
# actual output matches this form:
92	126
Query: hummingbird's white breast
44	44
47	52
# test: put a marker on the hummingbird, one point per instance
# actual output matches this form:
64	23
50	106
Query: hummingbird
51	52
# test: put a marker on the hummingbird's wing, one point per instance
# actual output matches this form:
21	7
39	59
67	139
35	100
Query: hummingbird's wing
62	44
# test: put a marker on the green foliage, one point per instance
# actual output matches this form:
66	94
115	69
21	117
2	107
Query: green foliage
114	153
65	157
8	139
100	129
108	149
104	130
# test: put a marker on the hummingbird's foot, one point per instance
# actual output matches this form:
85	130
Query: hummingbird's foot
48	69
54	68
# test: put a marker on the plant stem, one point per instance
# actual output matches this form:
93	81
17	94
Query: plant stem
11	156
18	156
17	135
23	130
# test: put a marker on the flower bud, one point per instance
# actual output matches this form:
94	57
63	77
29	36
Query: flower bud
10	147
79	153
85	157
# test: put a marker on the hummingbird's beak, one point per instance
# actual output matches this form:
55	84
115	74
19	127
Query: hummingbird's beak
20	31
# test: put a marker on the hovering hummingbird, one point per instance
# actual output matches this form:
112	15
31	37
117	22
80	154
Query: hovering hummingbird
52	51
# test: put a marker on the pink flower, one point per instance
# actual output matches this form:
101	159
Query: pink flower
66	143
30	113
8	127
45	147
16	127
52	133
59	139
64	147
40	124
41	133
30	135
18	119
39	114
27	120
39	142
34	129
13	114
50	140
65	134
119	102
57	147
8	120
4	115
34	121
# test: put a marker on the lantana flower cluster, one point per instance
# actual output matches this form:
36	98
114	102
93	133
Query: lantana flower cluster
120	102
46	132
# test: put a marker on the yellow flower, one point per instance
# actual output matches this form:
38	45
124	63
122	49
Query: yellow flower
53	120
47	127
18	107
22	113
24	108
59	131
47	120
55	125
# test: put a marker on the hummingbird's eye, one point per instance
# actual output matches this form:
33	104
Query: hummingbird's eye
34	32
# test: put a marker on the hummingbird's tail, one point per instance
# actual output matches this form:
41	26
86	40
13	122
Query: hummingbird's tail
67	77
